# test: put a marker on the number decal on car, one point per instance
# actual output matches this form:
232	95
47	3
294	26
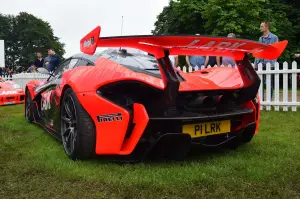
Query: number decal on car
46	101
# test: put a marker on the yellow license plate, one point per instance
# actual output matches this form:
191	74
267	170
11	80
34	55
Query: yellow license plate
208	128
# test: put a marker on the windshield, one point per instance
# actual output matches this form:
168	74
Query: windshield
131	59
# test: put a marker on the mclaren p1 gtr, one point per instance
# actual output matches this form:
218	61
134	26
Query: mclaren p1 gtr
127	104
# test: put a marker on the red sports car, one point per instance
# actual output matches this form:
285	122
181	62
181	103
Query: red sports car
11	93
117	103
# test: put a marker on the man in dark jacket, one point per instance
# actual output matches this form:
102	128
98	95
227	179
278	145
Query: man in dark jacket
53	63
39	61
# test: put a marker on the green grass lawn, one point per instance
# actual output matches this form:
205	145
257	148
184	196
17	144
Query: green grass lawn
33	165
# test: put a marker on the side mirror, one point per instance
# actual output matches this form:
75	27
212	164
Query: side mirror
43	71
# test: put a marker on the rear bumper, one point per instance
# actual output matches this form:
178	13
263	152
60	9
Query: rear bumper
137	131
177	145
163	136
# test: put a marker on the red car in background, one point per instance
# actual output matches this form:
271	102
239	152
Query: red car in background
117	103
11	93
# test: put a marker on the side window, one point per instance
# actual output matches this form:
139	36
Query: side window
70	65
82	62
60	69
90	64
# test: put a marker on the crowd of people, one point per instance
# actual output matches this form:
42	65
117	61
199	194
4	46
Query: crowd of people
50	62
200	61
6	72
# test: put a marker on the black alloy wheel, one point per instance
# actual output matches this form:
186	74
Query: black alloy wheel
78	131
28	109
69	124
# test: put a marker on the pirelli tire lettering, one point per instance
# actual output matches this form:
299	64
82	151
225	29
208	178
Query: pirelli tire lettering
110	117
46	101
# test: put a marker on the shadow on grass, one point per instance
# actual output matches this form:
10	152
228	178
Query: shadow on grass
195	154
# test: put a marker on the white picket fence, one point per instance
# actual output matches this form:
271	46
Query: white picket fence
282	98
23	78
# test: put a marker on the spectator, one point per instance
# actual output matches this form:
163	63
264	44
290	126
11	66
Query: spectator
31	69
194	61
9	73
53	61
297	58
212	61
39	61
47	60
226	61
267	38
174	60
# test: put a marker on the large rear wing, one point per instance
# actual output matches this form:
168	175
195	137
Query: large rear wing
184	45
164	45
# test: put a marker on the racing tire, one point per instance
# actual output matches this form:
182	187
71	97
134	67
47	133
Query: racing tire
28	109
78	132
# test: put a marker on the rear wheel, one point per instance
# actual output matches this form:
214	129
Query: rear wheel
77	128
28	109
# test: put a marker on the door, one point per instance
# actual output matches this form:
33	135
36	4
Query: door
50	93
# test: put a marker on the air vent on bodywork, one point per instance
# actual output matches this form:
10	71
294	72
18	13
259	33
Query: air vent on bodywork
205	101
204	72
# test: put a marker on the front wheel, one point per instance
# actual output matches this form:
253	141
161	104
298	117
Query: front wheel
28	109
77	128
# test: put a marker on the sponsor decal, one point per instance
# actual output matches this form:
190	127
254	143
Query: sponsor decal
219	47
211	45
223	46
46	101
88	42
8	92
110	117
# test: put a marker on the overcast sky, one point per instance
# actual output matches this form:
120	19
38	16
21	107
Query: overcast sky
71	20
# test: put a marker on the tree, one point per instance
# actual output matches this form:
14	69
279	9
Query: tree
7	34
293	14
24	35
243	17
180	17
